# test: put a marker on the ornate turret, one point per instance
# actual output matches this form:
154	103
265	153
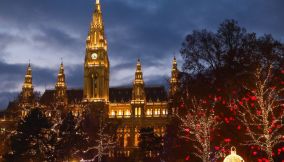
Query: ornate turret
174	78
27	89
173	88
138	92
96	37
61	87
96	68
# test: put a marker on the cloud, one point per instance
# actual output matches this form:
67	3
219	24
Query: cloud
46	30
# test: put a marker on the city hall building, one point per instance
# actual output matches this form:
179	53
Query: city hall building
132	107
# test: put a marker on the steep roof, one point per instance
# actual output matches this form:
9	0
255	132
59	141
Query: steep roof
116	95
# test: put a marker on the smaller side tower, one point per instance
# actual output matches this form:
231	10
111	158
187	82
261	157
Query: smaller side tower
173	88
27	94
138	93
174	78
61	87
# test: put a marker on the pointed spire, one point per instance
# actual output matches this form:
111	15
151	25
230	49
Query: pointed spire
139	73
60	86
174	77
174	71
98	6
27	89
96	38
138	93
28	82
174	67
61	78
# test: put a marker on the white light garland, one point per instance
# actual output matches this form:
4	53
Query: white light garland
260	119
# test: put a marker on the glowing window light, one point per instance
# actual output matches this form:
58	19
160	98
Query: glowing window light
138	111
127	113
112	113
164	112
149	112
157	112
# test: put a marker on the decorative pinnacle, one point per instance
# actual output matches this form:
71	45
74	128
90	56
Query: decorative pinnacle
175	60
97	1
138	65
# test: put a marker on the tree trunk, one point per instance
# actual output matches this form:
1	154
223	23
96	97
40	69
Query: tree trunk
270	158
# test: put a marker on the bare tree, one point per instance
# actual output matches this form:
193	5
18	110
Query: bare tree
262	113
197	125
104	144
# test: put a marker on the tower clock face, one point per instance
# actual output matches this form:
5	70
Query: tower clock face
94	56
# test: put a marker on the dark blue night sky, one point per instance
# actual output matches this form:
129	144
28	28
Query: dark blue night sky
46	30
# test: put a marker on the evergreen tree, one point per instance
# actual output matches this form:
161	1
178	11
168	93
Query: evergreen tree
31	140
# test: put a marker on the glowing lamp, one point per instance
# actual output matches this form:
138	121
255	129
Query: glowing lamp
233	157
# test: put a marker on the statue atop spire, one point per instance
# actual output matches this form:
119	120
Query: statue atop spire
60	86
97	1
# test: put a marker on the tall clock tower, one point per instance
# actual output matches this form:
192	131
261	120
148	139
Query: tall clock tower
96	67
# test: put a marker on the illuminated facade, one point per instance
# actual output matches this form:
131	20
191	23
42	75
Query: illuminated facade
132	107
61	87
96	67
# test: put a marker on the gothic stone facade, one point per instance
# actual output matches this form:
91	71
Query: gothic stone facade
132	107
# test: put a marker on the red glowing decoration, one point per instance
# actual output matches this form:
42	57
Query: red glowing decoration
187	158
217	148
227	140
254	153
253	98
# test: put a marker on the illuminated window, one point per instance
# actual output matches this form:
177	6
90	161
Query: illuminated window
138	111
120	137
163	131
127	113
126	138
112	113
127	153
136	137
157	112
164	112
2	130
149	112
120	113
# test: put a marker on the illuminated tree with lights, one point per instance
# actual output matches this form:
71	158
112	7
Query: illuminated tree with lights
103	147
261	113
198	125
70	138
32	139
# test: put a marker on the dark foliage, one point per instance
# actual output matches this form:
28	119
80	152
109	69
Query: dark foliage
150	144
31	140
218	65
175	148
71	138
